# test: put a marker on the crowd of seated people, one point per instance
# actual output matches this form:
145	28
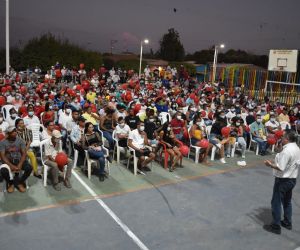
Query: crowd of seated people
160	111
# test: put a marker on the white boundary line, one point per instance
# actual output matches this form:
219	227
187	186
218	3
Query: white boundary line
125	228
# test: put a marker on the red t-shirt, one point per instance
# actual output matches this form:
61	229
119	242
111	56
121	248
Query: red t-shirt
177	126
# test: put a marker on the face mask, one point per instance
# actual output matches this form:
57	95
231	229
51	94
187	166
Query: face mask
179	117
113	100
38	104
272	119
50	107
258	120
30	113
238	115
142	128
151	120
68	111
251	113
199	123
169	129
222	116
152	104
14	115
232	110
122	125
194	109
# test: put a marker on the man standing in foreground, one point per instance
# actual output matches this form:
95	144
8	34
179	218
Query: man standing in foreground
285	170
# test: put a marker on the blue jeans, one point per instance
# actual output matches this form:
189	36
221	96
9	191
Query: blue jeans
98	155
282	194
213	139
262	144
108	136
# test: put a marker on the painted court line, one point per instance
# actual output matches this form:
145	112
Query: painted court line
125	228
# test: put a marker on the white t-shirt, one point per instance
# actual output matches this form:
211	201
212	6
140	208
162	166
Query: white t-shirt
288	160
31	120
64	119
137	138
147	72
274	124
125	130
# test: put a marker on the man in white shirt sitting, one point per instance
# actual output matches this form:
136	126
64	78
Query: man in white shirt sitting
52	148
122	132
12	117
231	113
30	118
285	170
272	125
138	140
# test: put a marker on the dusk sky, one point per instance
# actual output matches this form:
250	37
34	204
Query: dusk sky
255	26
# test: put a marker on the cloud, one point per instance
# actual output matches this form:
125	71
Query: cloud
130	38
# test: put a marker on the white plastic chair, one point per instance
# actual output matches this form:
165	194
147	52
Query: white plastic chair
234	148
45	167
36	134
5	110
104	141
88	162
285	125
164	116
41	117
214	148
71	148
197	149
117	147
253	141
135	161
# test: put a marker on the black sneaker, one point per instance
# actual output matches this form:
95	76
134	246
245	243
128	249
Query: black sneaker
101	177
146	169
272	229
286	225
109	159
57	187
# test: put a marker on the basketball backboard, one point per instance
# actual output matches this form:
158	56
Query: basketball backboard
283	60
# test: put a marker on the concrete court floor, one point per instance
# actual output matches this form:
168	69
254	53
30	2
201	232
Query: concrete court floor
197	207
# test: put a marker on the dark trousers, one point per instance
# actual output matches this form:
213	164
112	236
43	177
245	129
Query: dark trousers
108	136
263	145
81	154
282	194
26	168
98	155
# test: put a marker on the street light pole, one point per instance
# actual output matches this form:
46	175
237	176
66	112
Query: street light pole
7	37
146	41
216	61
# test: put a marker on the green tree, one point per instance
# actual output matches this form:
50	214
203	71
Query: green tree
46	51
171	49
